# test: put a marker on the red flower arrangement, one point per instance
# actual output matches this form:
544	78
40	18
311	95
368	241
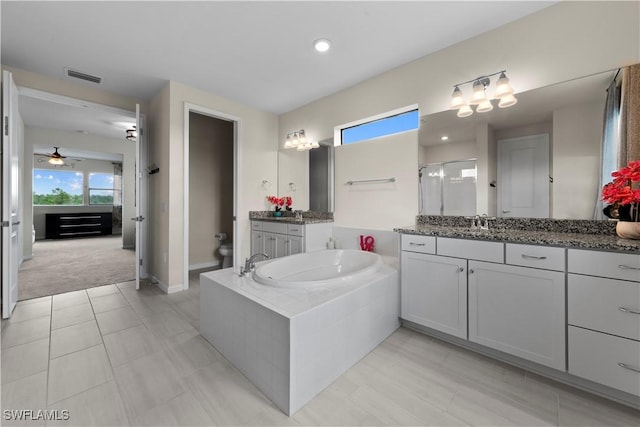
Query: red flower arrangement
279	202
624	191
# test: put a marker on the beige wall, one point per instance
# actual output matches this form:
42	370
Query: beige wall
257	156
448	152
562	42
158	226
210	187
39	136
377	206
576	130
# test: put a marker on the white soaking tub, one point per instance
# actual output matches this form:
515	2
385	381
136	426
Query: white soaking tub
323	268
301	321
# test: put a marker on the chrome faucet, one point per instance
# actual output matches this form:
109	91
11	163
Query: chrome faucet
298	214
475	222
484	222
249	263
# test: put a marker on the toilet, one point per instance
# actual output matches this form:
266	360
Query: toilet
226	251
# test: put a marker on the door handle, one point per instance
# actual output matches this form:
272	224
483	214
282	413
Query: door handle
15	223
138	218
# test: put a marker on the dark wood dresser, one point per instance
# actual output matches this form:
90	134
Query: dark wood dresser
63	225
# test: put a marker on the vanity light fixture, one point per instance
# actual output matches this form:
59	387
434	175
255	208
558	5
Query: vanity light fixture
479	96
298	140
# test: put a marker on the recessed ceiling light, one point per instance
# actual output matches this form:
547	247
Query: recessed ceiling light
444	137
322	45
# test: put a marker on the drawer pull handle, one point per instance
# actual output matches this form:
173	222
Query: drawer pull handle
628	310
625	366
627	267
416	244
525	256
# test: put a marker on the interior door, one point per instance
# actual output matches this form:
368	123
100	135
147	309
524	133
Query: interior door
140	197
10	194
523	177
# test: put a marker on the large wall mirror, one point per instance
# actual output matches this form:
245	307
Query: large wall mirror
563	122
565	119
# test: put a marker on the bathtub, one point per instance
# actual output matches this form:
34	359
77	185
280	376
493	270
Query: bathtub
301	321
316	269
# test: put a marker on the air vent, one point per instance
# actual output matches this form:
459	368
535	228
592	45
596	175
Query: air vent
82	76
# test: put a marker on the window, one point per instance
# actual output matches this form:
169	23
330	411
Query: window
56	187
101	189
374	127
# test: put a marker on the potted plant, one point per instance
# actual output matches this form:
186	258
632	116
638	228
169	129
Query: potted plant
623	194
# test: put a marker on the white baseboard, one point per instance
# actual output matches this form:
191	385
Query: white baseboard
166	289
202	265
25	258
128	246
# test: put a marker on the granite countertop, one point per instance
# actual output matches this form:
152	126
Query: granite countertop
288	217
575	240
292	220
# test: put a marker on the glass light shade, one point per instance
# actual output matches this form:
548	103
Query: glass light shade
288	143
56	161
315	145
465	111
484	106
507	101
457	99
503	88
302	138
479	94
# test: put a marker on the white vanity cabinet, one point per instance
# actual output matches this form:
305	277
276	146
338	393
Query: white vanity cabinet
518	310
278	239
603	303
433	288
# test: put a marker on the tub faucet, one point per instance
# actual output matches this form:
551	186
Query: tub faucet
249	263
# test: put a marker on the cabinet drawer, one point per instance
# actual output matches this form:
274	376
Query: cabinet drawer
471	249
295	229
597	303
256	225
544	257
598	357
416	243
604	264
274	227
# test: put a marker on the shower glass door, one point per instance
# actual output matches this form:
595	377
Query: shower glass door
448	188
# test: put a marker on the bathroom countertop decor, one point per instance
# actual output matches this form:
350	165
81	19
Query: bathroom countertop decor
289	217
577	234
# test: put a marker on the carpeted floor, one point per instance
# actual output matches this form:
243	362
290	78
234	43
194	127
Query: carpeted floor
71	264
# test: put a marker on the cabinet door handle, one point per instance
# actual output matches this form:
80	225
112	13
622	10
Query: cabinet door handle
272	238
625	366
416	244
506	211
525	256
627	267
471	271
460	269
628	310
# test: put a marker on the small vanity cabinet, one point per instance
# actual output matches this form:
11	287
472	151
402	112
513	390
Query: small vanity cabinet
434	288
604	318
520	310
278	239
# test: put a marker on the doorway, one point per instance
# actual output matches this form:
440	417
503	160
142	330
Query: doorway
523	177
76	227
210	171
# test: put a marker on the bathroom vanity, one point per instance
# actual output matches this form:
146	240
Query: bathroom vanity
286	235
557	297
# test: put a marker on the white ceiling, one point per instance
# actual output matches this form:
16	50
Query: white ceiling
258	53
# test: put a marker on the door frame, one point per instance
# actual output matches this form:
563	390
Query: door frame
237	133
141	253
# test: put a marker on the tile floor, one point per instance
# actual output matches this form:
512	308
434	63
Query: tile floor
114	356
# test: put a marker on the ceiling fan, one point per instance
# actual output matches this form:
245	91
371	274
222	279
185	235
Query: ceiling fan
55	158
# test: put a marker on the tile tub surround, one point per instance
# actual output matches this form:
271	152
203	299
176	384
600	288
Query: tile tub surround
579	234
289	217
292	344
